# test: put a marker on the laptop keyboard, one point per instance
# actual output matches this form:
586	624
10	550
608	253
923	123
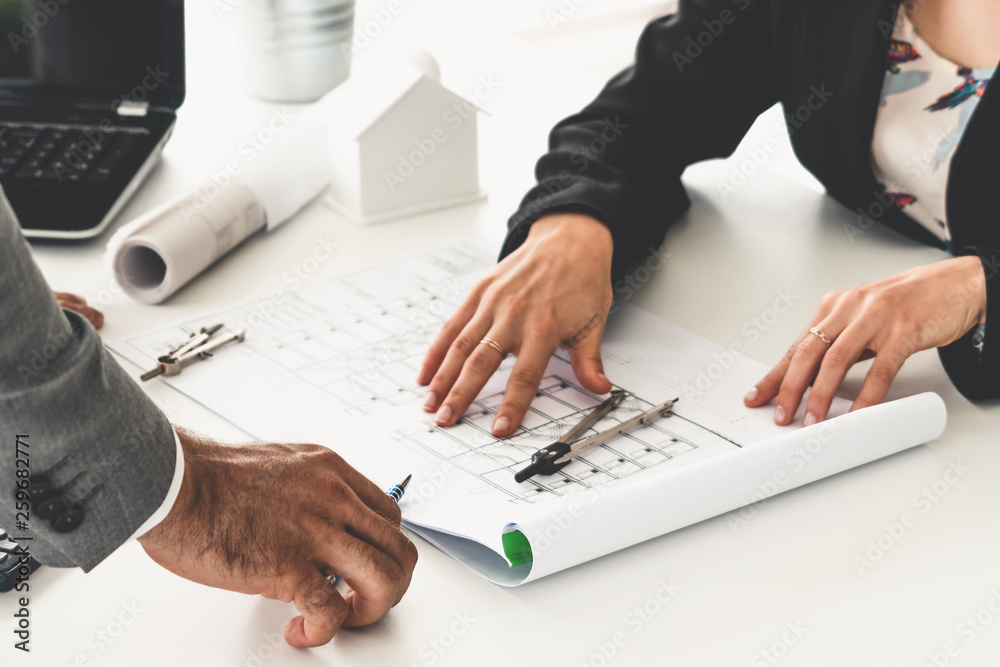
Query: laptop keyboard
64	153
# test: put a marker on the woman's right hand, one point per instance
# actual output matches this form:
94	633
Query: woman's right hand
553	290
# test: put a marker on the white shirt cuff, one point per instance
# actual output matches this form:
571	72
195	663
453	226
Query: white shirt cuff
168	502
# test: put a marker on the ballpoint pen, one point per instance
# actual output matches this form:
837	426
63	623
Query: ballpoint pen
550	459
396	493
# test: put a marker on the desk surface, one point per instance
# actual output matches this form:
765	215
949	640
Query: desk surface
784	585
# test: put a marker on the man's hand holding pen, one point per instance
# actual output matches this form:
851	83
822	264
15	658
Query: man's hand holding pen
277	520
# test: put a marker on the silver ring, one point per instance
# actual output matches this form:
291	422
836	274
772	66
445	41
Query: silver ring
822	336
495	345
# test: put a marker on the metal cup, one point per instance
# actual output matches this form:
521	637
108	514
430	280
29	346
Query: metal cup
294	50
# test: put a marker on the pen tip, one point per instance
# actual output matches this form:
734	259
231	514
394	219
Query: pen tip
406	481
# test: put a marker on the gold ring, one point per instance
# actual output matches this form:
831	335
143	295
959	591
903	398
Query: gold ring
495	345
822	336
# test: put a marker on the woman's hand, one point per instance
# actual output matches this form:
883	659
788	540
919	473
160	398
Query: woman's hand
553	290
79	304
890	319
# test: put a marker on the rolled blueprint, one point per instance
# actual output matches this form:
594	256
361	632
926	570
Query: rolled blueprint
158	253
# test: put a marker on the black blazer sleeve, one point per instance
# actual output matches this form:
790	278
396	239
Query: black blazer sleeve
700	79
976	373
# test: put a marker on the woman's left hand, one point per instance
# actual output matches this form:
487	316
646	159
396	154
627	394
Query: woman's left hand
890	319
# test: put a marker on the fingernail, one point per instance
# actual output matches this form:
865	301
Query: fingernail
752	394
501	425
430	401
779	415
809	420
421	379
443	415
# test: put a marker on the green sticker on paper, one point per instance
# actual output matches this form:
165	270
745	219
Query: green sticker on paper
517	548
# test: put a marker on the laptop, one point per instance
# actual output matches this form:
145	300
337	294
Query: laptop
89	91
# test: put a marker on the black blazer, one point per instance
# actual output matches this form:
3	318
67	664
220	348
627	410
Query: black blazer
700	79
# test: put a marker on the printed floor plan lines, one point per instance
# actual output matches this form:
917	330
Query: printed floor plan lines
559	404
351	345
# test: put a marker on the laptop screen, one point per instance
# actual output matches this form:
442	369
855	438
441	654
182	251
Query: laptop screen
104	49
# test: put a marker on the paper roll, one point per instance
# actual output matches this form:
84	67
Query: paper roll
160	252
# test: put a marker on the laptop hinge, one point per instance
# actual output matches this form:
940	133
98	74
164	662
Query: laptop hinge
133	108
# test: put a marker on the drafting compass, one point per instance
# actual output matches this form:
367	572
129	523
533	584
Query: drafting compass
552	458
198	346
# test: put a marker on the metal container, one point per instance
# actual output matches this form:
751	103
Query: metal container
294	50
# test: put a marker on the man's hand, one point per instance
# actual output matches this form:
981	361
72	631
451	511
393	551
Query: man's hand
276	520
553	290
889	319
79	304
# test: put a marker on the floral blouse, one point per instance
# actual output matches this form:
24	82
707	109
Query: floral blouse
926	103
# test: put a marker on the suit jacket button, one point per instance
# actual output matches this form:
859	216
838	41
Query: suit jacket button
69	520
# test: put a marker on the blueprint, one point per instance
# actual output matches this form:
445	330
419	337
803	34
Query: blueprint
351	345
335	363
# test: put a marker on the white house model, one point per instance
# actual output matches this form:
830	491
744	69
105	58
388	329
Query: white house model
401	144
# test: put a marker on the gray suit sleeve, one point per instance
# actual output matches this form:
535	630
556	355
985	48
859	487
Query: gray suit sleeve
106	443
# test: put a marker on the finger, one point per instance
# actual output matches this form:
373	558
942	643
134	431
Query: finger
363	488
450	330
585	356
70	298
363	523
323	611
879	377
847	350
522	386
802	369
377	580
770	384
451	368
478	369
767	388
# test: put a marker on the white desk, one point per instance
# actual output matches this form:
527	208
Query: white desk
741	588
